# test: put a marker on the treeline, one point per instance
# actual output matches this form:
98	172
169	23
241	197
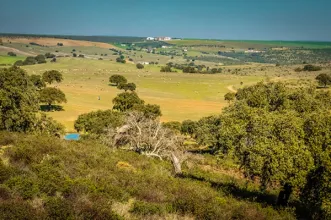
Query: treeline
39	59
190	68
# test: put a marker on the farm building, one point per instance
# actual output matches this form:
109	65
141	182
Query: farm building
150	38
163	38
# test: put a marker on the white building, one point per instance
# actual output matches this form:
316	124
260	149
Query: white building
150	38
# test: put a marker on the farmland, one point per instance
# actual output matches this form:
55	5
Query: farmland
181	96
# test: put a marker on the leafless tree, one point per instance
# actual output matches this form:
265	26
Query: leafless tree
147	137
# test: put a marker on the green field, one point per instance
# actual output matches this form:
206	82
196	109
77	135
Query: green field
259	44
181	96
9	60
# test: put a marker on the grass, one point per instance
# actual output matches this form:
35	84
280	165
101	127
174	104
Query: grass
9	59
244	44
181	96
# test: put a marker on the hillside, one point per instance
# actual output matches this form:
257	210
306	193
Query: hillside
43	176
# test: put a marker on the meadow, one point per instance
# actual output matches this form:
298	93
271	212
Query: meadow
181	96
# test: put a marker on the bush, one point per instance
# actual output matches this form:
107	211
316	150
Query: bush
310	67
30	61
140	66
19	209
12	54
40	59
24	185
144	208
19	63
58	208
60	44
49	55
166	69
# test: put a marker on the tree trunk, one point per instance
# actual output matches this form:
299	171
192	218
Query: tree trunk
176	164
284	195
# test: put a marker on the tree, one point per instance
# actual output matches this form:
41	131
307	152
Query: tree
52	76
127	86
37	81
175	126
47	126
149	110
324	79
18	100
29	61
147	137
96	122
40	59
12	54
74	55
166	69
140	66
117	79
230	96
188	127
126	101
19	63
51	95
49	55
316	193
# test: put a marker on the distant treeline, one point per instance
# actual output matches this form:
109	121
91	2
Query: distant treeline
104	39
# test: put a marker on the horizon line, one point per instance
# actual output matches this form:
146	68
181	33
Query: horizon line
185	38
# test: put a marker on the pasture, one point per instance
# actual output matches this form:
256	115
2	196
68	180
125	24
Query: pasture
8	60
181	96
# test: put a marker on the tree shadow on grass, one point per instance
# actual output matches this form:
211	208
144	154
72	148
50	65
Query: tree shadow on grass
47	108
112	84
236	191
243	193
322	87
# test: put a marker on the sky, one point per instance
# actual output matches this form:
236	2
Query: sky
206	19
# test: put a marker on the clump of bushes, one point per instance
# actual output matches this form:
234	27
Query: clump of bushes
39	59
140	66
12	54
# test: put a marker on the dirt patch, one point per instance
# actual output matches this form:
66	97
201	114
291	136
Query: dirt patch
54	41
19	52
231	88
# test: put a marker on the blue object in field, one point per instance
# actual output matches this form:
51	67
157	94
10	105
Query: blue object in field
72	136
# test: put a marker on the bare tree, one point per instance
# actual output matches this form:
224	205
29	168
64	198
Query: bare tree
147	137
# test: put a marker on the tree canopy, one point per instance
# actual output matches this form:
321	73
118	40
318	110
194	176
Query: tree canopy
96	122
117	79
323	79
51	95
18	100
37	81
276	133
127	86
52	76
126	101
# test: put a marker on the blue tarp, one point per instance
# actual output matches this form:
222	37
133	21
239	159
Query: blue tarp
72	136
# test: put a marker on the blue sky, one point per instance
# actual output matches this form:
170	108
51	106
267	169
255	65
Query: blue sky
208	19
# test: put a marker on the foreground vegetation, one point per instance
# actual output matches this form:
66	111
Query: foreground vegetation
266	156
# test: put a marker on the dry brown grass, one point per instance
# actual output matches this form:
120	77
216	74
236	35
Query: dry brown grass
54	41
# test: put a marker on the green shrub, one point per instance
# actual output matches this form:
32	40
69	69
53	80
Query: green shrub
144	208
19	209
310	67
58	208
25	186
